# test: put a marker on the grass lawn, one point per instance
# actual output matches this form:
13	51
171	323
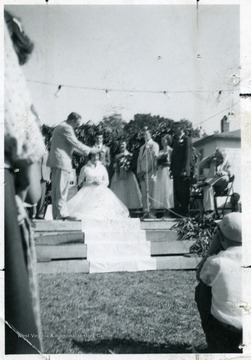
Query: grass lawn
121	313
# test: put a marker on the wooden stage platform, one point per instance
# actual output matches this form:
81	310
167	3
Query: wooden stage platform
61	246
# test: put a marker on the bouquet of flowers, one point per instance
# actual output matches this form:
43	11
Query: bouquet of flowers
124	162
162	160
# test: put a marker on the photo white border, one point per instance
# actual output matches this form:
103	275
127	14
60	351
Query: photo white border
245	106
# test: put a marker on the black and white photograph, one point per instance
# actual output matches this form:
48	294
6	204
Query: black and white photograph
126	167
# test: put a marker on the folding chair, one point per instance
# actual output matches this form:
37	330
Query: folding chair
195	206
227	192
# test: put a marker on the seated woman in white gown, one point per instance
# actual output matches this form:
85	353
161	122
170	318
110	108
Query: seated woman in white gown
95	200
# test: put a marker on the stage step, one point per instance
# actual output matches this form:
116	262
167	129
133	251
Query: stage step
62	238
117	237
172	247
63	266
177	262
161	235
98	265
109	246
165	242
158	224
110	226
117	245
60	247
57	225
73	251
120	250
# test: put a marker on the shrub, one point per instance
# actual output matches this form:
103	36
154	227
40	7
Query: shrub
200	228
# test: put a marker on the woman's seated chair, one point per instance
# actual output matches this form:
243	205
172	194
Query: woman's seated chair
220	192
195	206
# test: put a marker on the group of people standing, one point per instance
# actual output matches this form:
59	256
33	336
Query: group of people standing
162	179
164	175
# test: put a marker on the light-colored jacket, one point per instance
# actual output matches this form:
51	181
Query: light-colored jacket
104	154
64	142
147	158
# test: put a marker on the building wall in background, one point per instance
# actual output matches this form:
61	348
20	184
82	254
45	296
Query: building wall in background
232	149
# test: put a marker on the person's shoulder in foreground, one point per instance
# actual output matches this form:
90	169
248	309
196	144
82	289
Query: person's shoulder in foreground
229	241
221	273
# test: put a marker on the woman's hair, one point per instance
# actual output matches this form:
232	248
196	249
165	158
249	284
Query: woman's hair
22	44
122	141
146	130
91	155
99	133
168	137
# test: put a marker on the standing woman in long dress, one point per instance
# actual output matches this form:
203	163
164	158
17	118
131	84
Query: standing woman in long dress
23	150
124	183
163	187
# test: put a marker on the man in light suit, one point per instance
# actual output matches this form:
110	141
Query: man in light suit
64	143
104	150
146	168
45	178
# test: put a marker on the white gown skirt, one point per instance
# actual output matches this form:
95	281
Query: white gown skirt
163	190
97	202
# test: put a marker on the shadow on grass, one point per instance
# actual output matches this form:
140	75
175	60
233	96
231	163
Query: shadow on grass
124	346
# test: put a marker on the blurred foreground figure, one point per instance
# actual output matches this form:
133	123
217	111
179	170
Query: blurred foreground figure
45	179
24	148
219	292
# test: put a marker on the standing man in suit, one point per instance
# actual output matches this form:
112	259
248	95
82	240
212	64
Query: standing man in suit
45	179
64	142
105	157
146	168
180	170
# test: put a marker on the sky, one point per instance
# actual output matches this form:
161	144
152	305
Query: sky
169	60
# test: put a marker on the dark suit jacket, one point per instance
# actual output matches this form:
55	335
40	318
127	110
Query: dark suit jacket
181	156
